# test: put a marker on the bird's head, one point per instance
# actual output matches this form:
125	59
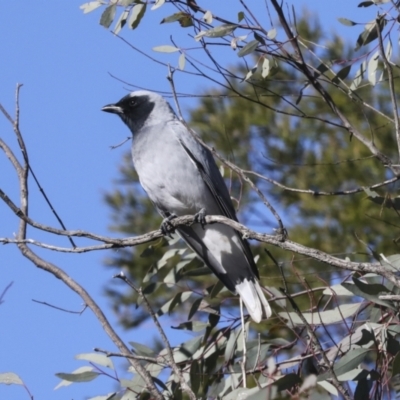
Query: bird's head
140	108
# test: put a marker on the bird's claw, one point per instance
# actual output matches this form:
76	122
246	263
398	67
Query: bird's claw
200	217
166	227
283	233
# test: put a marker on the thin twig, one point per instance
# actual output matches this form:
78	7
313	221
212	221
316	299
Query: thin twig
153	360
60	308
391	83
64	277
185	387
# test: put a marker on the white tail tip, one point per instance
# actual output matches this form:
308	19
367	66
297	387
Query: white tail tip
253	297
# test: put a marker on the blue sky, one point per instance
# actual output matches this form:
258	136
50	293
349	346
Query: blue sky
64	58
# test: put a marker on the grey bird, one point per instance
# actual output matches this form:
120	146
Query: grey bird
181	177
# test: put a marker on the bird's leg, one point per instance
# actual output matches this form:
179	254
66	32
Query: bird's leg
200	217
166	227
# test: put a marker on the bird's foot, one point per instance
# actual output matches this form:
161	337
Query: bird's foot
282	232
200	217
166	227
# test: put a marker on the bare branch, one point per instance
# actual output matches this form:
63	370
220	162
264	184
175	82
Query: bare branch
185	387
391	83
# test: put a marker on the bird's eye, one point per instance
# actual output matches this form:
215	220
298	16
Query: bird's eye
132	102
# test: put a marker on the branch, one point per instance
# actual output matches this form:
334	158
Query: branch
171	362
391	83
302	66
58	272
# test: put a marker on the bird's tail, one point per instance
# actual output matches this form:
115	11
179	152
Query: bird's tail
253	297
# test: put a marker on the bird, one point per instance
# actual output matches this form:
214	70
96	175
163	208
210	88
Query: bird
181	177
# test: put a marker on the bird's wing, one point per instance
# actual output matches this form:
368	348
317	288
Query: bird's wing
205	164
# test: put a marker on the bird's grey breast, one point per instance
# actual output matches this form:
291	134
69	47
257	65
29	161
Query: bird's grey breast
166	172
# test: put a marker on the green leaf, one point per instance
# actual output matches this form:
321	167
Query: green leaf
193	326
240	15
194	308
370	33
372	68
391	262
230	346
366	4
142	350
389	49
218	31
322	317
208	17
148	251
392	345
182	62
178	299
109	396
346	22
184	19
342	74
265	68
249	48
166	49
85	376
108	16
121	22
217	288
195	376
287	382
157	4
359	76
151	288
136	16
362	389
259	38
90	6
213	319
329	387
96	358
197	272
396	365
337	290
245	393
367	336
369	292
9	378
186	350
348	362
251	73
256	354
272	34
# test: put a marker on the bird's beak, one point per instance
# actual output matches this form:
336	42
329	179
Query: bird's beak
113	108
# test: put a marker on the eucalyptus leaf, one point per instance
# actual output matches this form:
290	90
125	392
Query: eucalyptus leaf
348	362
182	62
142	350
90	6
322	317
136	16
157	4
166	49
346	22
96	358
193	326
248	48
108	15
85	376
218	31
9	378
